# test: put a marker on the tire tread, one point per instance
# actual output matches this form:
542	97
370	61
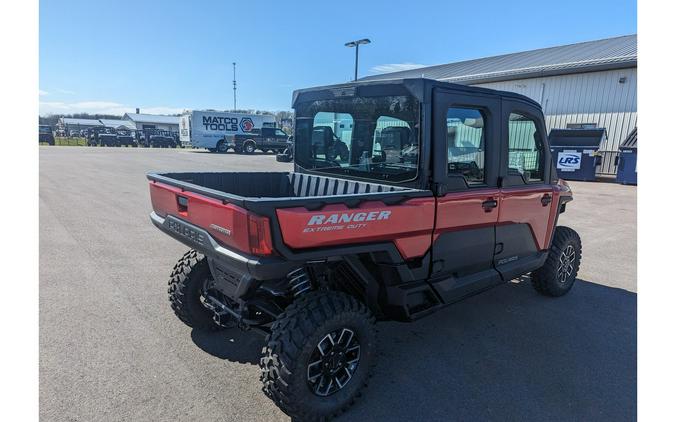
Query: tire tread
544	279
285	343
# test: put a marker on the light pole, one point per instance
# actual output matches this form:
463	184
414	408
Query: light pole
356	44
234	84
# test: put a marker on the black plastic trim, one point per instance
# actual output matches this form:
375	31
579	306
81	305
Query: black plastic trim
260	268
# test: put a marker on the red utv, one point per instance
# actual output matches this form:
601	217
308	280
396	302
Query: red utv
407	195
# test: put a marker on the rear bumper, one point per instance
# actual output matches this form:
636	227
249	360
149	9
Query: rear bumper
258	268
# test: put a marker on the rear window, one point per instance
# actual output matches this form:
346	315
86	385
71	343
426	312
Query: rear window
374	138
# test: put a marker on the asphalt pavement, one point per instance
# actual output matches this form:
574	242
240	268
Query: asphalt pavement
111	348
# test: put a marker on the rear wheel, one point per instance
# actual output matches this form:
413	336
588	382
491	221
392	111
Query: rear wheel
319	355
189	280
249	147
556	277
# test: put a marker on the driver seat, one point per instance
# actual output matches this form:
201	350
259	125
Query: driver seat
322	139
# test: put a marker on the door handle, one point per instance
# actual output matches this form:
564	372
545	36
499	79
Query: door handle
546	199
489	205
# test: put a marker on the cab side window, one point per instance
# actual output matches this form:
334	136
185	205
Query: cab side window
526	149
466	144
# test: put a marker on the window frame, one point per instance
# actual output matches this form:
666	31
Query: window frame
490	106
516	106
484	141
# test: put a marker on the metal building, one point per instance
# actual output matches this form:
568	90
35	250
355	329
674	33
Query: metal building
118	124
585	85
72	124
152	121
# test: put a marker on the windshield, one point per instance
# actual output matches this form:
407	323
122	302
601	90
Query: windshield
373	138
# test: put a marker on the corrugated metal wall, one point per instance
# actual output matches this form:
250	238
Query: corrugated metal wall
596	97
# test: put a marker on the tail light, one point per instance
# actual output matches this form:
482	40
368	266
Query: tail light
259	235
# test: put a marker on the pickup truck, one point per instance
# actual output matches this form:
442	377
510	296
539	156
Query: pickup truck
286	156
406	196
264	139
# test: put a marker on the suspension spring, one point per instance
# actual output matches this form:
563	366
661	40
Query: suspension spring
299	281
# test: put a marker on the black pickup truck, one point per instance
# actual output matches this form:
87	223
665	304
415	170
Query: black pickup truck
265	139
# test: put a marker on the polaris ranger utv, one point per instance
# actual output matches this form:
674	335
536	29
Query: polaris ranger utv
443	191
102	137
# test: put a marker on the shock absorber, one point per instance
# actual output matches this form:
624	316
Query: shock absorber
299	281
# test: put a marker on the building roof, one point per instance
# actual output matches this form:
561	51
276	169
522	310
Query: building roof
152	118
80	122
117	123
631	140
605	54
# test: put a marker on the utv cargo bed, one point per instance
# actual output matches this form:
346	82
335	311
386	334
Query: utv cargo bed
258	213
253	190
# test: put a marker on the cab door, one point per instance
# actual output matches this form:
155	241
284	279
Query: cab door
466	131
526	194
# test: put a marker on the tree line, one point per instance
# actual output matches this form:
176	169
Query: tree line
53	119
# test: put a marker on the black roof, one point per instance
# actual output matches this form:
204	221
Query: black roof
576	137
631	140
418	87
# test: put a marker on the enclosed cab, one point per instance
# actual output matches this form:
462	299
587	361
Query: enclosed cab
46	134
102	136
406	196
126	138
157	138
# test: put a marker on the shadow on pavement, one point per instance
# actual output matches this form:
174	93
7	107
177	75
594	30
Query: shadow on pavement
231	344
506	354
511	354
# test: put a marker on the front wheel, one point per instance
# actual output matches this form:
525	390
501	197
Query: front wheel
221	147
556	277
319	355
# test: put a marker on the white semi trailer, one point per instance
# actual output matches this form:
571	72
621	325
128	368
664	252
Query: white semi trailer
214	130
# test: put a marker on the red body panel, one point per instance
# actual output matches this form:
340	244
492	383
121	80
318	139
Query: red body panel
408	225
523	205
464	210
227	223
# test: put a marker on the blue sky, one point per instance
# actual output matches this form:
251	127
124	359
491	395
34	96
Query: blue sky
166	56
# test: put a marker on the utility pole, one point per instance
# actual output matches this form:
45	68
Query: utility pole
234	83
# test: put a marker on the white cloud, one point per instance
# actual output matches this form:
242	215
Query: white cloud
395	67
100	107
43	92
65	91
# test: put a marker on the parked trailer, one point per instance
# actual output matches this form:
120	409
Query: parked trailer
214	130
